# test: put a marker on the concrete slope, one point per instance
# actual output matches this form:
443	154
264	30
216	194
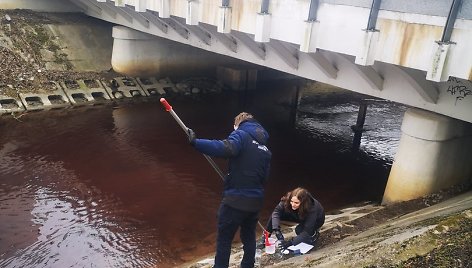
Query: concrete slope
403	240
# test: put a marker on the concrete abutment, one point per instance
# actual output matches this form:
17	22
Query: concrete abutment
139	54
434	154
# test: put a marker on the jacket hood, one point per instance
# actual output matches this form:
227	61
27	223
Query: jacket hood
257	132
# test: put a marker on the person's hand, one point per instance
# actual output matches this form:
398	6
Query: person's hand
191	136
284	244
279	235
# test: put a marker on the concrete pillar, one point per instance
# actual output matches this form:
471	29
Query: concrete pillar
135	53
140	54
434	153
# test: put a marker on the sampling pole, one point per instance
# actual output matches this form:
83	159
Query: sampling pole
185	128
212	163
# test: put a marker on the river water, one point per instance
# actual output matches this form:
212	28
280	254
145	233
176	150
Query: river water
119	186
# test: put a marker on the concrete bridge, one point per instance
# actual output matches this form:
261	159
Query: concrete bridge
414	52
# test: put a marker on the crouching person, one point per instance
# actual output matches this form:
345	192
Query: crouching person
301	207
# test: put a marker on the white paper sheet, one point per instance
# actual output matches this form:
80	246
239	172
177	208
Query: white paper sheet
303	247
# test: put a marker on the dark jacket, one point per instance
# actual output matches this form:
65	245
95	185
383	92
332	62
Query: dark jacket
248	167
313	220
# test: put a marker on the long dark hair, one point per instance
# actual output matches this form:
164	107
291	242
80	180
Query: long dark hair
305	201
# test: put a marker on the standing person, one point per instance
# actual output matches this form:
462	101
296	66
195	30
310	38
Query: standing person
298	206
248	170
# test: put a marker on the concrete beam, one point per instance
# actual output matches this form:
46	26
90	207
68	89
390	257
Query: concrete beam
201	33
226	39
140	5
425	88
181	30
371	76
193	7
323	64
194	30
368	74
119	3
257	49
88	7
155	20
287	56
262	27
224	19
164	10
438	62
135	16
109	10
119	11
309	39
368	48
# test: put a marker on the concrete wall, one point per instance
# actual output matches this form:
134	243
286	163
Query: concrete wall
88	46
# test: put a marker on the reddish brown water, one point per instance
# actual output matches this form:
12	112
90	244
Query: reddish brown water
121	187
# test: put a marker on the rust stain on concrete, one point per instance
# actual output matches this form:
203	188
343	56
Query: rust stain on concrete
241	9
407	39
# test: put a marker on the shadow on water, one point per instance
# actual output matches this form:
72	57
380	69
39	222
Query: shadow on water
121	187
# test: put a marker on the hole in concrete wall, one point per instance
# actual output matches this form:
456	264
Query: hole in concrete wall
128	82
163	81
56	99
168	90
98	95
53	85
34	101
79	97
152	91
135	93
145	81
71	84
91	83
9	104
118	94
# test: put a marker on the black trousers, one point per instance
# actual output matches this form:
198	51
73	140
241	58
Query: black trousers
312	236
229	220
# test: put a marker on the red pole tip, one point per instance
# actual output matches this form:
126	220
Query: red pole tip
166	104
266	236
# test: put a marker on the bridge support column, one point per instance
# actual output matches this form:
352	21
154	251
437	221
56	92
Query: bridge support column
135	53
139	54
434	153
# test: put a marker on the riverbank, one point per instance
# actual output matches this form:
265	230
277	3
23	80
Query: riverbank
433	231
59	60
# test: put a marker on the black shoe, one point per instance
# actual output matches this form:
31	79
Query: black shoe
315	237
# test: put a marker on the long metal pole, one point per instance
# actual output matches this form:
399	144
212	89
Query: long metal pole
185	128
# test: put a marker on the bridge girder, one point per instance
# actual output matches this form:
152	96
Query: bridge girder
383	79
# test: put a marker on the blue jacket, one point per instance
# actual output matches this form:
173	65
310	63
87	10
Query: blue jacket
248	167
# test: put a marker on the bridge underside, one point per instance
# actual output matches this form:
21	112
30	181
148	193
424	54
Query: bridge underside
331	57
